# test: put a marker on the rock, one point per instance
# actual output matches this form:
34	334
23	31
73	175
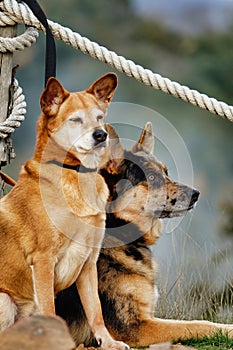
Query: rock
82	347
181	347
162	346
37	333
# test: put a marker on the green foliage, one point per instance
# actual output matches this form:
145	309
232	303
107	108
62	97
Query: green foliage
212	58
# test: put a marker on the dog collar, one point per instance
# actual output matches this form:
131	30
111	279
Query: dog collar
79	168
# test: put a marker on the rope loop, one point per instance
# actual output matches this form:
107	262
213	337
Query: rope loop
19	12
17	114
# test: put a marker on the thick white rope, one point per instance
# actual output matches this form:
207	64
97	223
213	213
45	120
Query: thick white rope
17	114
20	42
15	12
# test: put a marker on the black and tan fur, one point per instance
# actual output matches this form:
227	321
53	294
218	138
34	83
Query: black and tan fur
140	194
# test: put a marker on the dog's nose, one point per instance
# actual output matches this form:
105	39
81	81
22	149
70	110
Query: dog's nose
100	135
194	196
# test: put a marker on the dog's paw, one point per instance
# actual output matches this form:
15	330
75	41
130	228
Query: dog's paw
115	345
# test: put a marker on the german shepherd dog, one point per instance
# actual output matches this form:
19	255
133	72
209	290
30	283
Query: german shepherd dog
140	194
53	220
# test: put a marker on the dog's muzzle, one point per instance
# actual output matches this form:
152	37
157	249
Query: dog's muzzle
194	195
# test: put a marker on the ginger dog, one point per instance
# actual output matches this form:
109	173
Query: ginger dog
53	220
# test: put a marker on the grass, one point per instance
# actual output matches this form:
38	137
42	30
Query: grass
217	341
202	302
198	303
193	296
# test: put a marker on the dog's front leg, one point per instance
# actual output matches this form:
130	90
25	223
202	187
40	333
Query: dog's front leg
43	285
87	284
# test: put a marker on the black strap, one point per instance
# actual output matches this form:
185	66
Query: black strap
79	168
50	56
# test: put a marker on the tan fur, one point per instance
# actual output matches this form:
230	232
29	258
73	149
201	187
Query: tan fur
52	222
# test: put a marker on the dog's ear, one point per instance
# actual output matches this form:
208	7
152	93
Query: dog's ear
115	149
52	97
146	140
103	88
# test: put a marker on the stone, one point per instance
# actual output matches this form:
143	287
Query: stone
39	333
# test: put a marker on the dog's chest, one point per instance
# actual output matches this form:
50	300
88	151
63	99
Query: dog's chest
70	263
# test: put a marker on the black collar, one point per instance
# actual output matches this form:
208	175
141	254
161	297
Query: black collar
79	168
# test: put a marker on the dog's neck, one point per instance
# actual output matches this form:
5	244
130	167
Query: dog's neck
121	230
79	168
125	232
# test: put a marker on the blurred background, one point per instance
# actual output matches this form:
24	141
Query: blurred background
189	41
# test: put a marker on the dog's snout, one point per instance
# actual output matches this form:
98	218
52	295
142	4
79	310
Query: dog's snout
100	135
194	196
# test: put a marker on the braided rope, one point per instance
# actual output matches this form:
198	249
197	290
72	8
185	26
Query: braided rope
15	12
17	114
20	42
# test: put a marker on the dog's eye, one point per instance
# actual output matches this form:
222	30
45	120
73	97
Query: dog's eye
77	120
156	180
151	177
100	117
